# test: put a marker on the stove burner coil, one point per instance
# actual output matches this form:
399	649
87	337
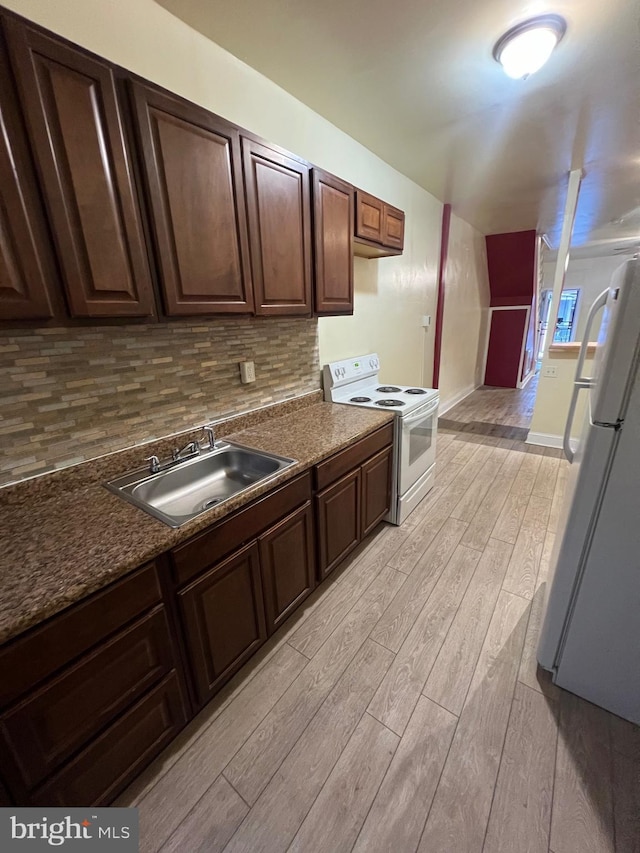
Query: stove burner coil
388	389
389	403
415	391
360	400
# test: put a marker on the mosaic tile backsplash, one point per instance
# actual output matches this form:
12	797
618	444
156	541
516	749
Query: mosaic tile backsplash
67	395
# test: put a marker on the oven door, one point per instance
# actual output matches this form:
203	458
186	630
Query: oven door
417	445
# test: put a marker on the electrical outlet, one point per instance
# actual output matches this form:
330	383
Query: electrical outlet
551	371
247	372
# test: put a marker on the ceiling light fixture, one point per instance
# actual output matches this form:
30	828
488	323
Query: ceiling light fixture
525	48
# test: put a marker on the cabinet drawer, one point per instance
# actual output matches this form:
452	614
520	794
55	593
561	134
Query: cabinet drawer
215	543
98	774
56	721
346	460
28	660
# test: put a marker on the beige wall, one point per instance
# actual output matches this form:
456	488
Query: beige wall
552	401
590	276
392	294
466	310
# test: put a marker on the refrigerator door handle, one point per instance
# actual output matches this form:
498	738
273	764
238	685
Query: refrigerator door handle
569	452
581	382
599	302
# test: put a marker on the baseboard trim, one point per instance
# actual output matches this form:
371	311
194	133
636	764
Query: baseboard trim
457	398
526	380
544	439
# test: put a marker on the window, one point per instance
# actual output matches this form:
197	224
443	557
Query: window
566	317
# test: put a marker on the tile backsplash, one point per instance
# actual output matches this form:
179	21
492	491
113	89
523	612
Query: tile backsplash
67	395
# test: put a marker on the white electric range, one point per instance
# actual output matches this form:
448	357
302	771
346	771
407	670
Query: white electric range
355	382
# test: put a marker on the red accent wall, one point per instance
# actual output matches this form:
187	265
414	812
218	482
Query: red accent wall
511	261
505	346
444	248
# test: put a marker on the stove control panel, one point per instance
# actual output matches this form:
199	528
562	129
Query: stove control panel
351	369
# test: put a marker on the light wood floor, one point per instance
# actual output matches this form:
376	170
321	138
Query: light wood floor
401	710
504	412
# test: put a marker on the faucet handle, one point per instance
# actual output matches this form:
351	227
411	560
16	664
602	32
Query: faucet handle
154	464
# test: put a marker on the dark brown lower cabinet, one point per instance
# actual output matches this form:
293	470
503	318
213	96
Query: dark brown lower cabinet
98	774
286	557
5	799
338	519
355	496
376	489
90	697
223	616
50	725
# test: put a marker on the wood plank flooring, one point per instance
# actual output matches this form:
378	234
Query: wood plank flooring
401	709
497	406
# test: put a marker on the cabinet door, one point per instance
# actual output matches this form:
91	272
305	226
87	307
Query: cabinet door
376	489
288	566
223	615
333	234
25	262
392	227
338	516
369	217
279	211
74	123
193	167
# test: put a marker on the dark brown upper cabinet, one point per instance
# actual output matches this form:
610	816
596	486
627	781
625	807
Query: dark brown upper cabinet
379	228
333	222
279	213
392	227
369	217
193	168
26	266
75	127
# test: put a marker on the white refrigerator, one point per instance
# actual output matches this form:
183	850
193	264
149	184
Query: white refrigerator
590	638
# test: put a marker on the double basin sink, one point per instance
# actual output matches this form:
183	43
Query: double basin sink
191	487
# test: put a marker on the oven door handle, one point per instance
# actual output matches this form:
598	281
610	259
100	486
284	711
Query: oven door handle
431	409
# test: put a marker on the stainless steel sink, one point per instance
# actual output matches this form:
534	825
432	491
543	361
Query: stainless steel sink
190	488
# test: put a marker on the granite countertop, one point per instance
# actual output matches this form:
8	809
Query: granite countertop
64	536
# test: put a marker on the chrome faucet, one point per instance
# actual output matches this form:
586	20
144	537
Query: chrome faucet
193	448
189	450
209	431
154	464
177	455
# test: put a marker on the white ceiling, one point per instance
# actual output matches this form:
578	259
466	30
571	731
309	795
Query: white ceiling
414	81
